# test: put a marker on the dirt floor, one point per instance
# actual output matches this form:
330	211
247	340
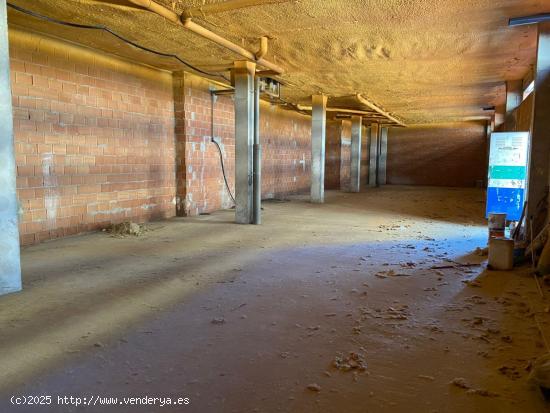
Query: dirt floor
323	308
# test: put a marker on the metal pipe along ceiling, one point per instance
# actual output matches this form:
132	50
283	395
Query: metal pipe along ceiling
225	6
372	106
207	34
159	9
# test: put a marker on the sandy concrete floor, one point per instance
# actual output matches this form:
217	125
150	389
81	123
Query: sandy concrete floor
245	318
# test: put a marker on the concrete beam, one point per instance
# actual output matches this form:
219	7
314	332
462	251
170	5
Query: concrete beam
318	135
244	140
373	154
514	94
383	156
10	263
540	130
356	136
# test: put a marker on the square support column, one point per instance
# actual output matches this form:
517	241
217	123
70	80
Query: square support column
318	134
244	140
10	263
373	154
356	135
514	94
539	153
383	156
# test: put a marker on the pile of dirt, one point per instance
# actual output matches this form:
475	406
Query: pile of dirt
126	228
353	361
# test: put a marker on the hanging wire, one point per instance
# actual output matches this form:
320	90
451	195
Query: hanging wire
213	140
118	36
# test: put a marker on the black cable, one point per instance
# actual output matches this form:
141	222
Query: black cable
212	98
106	29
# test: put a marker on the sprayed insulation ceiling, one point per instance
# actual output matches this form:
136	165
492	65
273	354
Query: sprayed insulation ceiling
424	61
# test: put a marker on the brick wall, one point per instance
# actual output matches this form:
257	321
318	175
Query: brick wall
101	140
525	114
338	155
286	149
204	188
345	156
519	120
442	155
365	156
522	116
332	155
286	152
94	138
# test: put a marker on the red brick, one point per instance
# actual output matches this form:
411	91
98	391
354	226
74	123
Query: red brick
23	79
112	136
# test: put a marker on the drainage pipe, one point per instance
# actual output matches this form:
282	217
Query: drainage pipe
257	159
226	6
372	106
159	9
207	34
263	48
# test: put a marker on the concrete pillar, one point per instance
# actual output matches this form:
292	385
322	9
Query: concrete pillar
244	140
540	129
514	94
10	264
500	115
356	135
318	132
178	81
257	159
373	154
383	156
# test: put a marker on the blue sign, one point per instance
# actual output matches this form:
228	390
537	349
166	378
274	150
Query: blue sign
508	201
507	174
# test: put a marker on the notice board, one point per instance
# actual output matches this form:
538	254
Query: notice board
507	173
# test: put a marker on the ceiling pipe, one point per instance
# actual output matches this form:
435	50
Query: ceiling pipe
340	110
207	34
377	109
263	48
226	6
159	9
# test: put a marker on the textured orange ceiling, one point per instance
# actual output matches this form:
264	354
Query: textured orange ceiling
425	61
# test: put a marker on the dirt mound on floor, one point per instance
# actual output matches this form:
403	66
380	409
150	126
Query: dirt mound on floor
126	228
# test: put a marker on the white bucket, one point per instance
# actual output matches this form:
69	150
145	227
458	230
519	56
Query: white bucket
501	254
